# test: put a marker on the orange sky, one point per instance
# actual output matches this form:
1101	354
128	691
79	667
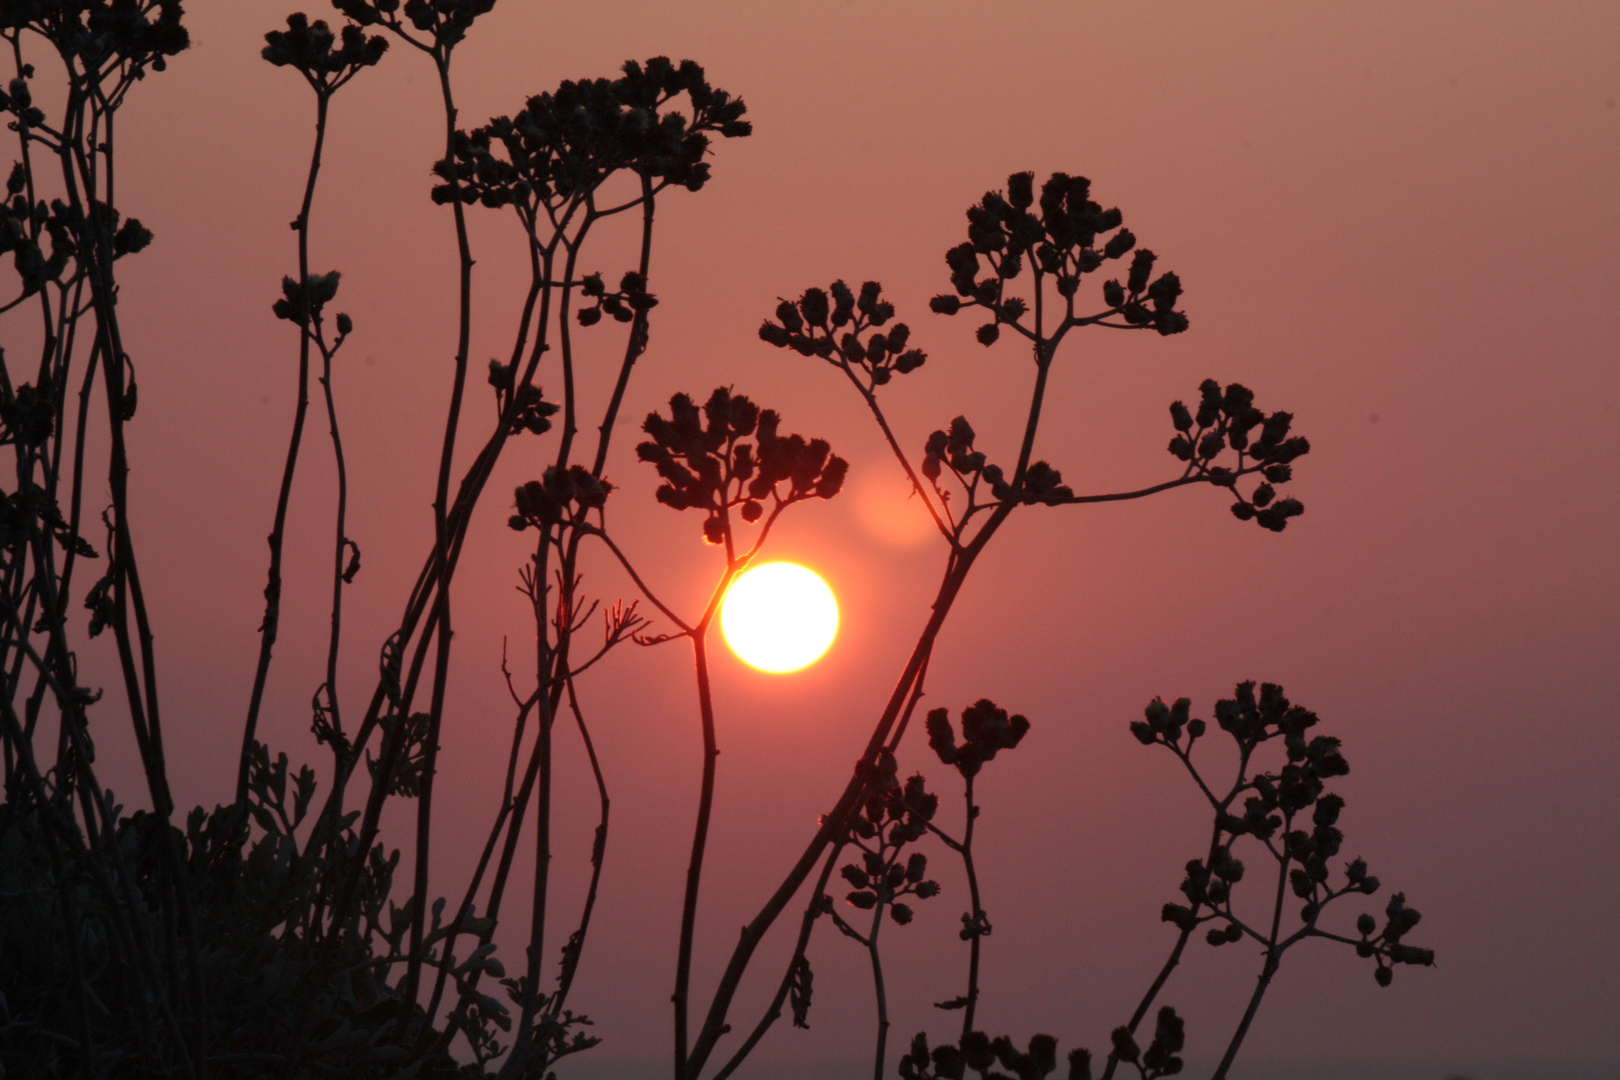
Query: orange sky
1398	221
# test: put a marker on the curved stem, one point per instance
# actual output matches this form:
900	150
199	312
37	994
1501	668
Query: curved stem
272	589
694	868
880	990
576	943
979	923
774	1012
441	533
833	823
340	544
1169	965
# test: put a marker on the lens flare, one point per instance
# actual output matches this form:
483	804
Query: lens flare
779	617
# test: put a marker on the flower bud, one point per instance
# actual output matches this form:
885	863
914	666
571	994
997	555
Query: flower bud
1021	190
1141	270
1182	917
788	316
851	345
813	306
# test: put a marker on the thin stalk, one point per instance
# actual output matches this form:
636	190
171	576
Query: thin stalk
1169	964
272	589
565	981
497	830
811	912
441	672
694	868
1273	960
638	333
966	851
340	545
882	995
833	823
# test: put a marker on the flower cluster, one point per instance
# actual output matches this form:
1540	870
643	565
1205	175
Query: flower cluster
17	99
447	21
632	297
104	35
1387	947
831	328
893	816
300	304
559	493
565	144
531	412
1274	809
954	449
308	48
1228	418
706	464
986	729
1169	1037
977	1051
1062	238
23	220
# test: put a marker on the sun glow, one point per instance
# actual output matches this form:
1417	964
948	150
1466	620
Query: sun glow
779	617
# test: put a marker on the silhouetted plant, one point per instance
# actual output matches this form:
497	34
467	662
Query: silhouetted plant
1273	807
986	731
893	817
264	937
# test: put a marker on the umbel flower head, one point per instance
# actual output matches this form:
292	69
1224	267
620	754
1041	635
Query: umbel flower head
327	60
1065	237
730	454
564	144
986	730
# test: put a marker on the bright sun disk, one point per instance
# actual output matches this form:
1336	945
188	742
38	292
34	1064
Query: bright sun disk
779	617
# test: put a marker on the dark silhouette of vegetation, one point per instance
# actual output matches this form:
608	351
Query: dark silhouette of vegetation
277	935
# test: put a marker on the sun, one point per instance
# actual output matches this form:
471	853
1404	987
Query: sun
779	617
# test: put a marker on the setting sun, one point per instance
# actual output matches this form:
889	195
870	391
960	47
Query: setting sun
779	617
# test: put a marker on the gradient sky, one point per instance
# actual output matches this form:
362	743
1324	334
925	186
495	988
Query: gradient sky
1397	221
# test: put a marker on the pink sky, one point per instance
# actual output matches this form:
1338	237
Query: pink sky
1397	221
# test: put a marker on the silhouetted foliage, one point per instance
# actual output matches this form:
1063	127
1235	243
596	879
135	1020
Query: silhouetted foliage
268	936
707	464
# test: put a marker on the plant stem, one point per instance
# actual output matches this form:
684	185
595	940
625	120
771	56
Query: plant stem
978	913
272	589
878	987
700	833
